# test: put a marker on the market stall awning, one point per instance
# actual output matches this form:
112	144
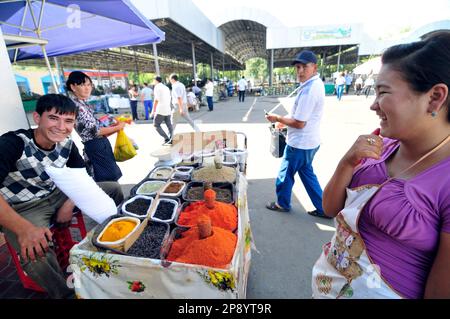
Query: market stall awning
372	66
73	26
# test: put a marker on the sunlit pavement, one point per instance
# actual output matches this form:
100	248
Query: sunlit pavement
287	243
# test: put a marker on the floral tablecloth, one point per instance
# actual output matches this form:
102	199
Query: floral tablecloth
103	275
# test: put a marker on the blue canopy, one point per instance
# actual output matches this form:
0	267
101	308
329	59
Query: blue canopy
73	26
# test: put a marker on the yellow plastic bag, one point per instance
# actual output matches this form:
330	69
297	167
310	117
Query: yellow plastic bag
124	149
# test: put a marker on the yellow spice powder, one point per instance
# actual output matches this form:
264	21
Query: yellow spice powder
118	230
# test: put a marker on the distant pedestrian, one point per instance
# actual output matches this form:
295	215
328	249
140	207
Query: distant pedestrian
358	85
348	82
179	101
162	110
146	98
133	94
242	86
340	84
209	87
368	84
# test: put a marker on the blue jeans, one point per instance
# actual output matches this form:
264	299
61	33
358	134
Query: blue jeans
209	99
148	106
299	161
339	91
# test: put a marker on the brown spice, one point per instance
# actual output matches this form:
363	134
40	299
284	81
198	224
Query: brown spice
173	188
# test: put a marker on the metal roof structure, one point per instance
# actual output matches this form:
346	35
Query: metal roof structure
240	34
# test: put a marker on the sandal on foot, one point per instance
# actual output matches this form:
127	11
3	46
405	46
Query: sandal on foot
274	206
316	213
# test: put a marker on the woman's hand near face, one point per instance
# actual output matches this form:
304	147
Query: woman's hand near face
366	146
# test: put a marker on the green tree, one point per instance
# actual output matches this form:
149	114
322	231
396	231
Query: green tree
256	68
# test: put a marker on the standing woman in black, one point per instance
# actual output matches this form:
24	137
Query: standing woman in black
97	149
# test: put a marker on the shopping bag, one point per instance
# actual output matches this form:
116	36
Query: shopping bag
124	149
278	141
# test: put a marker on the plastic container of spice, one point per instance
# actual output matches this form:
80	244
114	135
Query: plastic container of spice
225	192
165	210
148	187
184	169
118	244
134	203
173	189
161	172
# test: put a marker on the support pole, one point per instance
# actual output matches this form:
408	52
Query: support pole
55	87
194	64
60	72
107	67
323	63
271	69
136	66
155	54
212	66
339	59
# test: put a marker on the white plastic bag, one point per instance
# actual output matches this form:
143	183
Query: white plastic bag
83	191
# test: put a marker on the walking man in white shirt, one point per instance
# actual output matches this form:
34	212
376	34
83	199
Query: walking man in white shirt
303	139
242	86
162	109
179	102
209	86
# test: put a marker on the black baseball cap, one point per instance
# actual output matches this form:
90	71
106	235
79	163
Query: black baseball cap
305	57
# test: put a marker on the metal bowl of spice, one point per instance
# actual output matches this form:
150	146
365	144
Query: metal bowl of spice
138	206
173	189
225	192
161	172
165	211
151	241
148	187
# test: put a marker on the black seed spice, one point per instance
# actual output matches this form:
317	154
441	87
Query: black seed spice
164	210
138	206
148	245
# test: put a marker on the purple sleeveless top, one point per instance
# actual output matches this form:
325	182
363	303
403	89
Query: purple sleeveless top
402	223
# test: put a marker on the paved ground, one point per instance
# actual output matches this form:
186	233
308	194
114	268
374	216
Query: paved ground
288	243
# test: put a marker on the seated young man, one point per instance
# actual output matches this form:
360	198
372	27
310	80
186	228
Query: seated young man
30	198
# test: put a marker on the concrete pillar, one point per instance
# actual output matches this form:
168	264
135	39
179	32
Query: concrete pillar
339	59
271	68
212	66
194	63
13	114
155	54
323	64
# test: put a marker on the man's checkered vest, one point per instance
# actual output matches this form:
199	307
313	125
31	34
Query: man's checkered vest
30	181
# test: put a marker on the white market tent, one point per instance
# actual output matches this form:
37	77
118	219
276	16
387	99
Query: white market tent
372	66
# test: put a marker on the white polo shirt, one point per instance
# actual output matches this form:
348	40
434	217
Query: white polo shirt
178	90
308	107
162	95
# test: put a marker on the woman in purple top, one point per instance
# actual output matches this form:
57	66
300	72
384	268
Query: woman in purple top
402	229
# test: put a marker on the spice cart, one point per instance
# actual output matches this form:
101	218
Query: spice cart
100	273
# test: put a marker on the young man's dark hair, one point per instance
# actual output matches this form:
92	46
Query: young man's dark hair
159	79
62	104
76	78
174	77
